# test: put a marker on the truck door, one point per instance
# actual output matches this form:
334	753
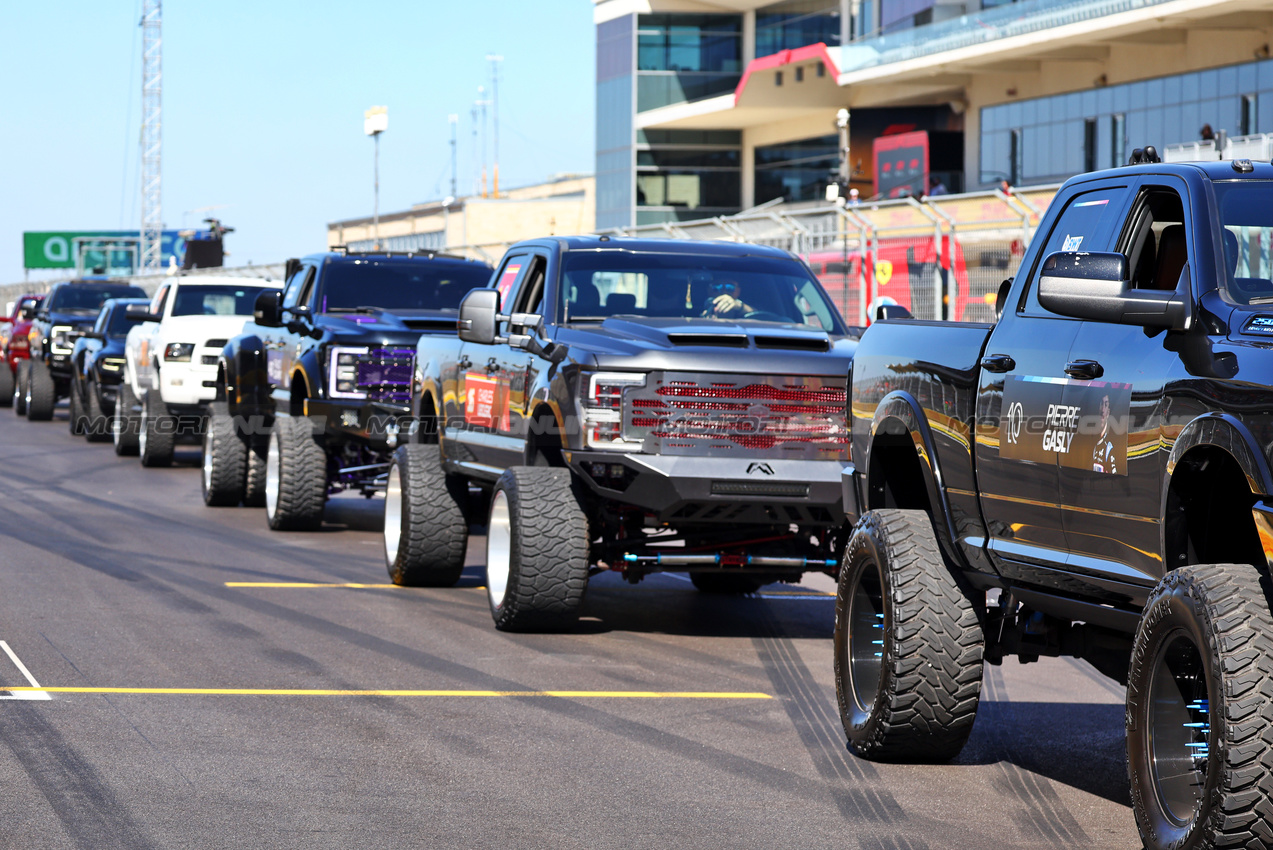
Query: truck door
478	406
514	368
1023	425
280	343
1112	478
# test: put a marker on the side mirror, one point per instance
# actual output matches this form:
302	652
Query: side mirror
268	309
1001	299
892	311
98	335
479	315
1096	286
140	313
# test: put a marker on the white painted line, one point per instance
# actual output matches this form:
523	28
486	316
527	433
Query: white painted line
37	694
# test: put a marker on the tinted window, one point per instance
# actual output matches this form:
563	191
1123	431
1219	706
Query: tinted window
399	284
119	323
1090	222
1246	220
215	300
601	284
87	297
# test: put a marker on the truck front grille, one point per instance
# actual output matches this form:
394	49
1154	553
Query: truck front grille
683	413
384	374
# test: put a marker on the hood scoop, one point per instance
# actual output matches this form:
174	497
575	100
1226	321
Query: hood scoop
718	340
798	343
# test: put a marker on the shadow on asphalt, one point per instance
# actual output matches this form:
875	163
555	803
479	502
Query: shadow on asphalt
1077	744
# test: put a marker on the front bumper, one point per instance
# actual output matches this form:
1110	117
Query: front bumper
381	426
188	384
694	490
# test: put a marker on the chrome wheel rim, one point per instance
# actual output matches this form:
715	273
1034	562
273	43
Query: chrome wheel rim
141	434
271	475
499	546
207	461
1179	728
393	514
865	637
117	426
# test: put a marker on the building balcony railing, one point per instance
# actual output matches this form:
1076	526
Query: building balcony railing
978	29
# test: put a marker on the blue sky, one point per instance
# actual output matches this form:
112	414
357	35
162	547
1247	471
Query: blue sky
263	105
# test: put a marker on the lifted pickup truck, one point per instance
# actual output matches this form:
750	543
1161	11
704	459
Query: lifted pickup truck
645	405
1089	476
171	360
70	309
312	394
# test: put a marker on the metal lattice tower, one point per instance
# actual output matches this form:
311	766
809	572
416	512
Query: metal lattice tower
152	222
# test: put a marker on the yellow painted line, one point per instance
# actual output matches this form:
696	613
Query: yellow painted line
297	692
301	584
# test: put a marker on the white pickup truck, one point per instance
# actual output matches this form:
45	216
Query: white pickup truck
171	369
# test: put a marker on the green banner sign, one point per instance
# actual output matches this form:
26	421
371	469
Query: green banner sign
48	249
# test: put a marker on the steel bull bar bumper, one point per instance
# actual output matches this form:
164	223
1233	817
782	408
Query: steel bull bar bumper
734	491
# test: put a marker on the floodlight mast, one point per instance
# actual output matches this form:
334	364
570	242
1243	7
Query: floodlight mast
150	259
495	59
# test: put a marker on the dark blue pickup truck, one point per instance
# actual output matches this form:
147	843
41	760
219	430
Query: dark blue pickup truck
1088	476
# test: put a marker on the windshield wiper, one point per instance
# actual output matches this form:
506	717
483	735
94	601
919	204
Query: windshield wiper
355	309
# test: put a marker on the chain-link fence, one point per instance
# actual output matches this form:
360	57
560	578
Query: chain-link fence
941	258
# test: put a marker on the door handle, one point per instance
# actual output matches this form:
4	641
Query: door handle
998	363
464	362
1084	370
491	365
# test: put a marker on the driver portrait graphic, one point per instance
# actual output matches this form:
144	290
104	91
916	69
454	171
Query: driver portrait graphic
1104	455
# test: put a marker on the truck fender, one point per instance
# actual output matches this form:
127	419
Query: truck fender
427	385
900	413
247	385
1230	435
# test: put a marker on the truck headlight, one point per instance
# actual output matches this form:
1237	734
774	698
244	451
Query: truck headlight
60	341
342	371
178	352
603	409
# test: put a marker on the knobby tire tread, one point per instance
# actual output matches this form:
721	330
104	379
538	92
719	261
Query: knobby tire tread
434	530
302	490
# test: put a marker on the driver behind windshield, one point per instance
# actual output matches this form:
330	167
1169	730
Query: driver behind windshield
724	300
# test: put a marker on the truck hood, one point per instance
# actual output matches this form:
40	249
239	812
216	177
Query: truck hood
709	345
386	321
200	329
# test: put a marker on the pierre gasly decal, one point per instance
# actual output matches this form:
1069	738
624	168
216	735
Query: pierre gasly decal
1079	424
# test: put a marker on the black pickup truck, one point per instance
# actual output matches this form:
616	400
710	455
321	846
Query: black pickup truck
70	308
1089	476
642	405
311	396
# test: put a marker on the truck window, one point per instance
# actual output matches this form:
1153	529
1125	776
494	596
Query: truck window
505	282
161	298
1089	222
1154	239
1246	231
300	287
531	293
597	285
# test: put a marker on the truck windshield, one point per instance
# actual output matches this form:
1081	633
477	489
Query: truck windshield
79	297
1246	221
399	284
215	300
597	285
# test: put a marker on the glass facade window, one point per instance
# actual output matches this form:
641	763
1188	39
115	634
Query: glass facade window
1043	138
615	143
796	23
687	57
686	174
796	171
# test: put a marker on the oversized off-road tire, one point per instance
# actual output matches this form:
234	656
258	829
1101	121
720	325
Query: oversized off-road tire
76	419
725	584
425	530
295	476
20	387
1200	711
254	472
225	458
125	423
156	432
41	392
99	424
8	383
537	550
908	644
